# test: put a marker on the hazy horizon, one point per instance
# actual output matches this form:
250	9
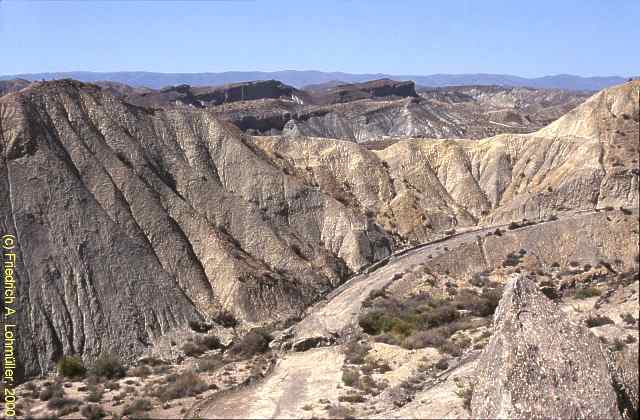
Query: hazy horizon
357	37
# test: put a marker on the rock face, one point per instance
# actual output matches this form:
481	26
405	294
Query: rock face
133	222
538	364
366	112
206	96
14	85
383	88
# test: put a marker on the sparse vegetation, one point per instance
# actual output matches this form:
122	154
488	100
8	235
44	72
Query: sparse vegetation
226	319
350	376
92	412
425	321
587	292
355	352
210	363
137	407
339	411
71	367
598	321
184	385
60	403
193	349
627	318
108	366
254	342
51	390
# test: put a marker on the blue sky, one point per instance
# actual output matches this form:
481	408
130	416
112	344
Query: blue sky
525	38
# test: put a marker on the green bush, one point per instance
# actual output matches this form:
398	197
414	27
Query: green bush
184	385
597	321
92	412
350	377
355	352
53	390
254	342
210	363
587	292
108	366
137	407
71	367
192	349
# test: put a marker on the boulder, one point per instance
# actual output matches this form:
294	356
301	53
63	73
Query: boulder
539	364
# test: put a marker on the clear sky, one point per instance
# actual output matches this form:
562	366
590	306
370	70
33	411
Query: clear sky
525	38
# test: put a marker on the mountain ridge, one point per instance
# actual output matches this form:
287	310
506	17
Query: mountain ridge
300	78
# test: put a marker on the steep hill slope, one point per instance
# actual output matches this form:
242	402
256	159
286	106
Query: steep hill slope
132	222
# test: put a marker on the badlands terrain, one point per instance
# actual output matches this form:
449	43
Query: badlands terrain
342	251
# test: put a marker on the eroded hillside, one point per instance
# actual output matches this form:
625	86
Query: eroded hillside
137	225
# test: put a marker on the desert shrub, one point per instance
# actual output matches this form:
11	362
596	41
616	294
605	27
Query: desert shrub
587	292
573	264
387	339
137	407
375	365
351	398
254	342
193	349
112	385
226	319
597	321
478	280
355	352
422	339
376	293
479	305
71	367
210	363
350	377
466	393
512	260
108	366
451	348
629	339
92	412
627	318
513	225
140	371
618	345
442	364
185	385
59	403
95	394
211	342
339	411
199	326
52	390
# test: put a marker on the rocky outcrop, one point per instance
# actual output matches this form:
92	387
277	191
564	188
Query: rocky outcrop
538	364
366	112
13	85
383	88
206	95
133	222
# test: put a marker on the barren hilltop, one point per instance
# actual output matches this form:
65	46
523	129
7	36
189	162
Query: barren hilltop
364	250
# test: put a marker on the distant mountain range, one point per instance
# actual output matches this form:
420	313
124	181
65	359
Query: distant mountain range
303	78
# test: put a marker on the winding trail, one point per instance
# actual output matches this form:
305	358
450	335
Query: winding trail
302	377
